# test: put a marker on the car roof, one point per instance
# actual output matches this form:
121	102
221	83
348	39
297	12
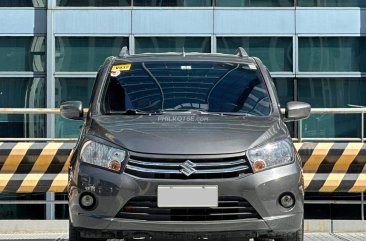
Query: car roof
183	57
241	56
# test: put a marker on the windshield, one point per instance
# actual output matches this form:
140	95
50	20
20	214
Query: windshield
214	87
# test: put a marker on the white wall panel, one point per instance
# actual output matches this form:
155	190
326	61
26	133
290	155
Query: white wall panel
255	21
22	21
330	21
92	22
172	21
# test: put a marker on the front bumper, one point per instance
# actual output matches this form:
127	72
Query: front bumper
262	190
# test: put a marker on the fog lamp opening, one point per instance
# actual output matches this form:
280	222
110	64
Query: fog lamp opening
287	200
87	201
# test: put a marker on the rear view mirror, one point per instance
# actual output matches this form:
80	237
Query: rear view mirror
296	110
72	110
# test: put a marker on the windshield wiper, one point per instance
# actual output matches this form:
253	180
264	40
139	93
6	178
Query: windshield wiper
188	111
235	114
171	111
203	112
136	112
133	112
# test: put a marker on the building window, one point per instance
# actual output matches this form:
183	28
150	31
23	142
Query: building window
23	54
332	54
285	91
93	3
86	54
22	93
255	3
61	210
74	89
275	52
71	89
331	3
172	44
173	3
23	3
332	93
24	211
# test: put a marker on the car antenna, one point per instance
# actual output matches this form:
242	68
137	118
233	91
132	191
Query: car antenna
124	52
241	53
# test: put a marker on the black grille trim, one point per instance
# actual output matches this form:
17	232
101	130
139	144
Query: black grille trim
230	208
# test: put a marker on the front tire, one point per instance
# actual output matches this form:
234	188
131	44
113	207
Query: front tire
74	234
298	236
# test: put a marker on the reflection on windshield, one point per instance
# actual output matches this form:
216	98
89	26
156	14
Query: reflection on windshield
181	86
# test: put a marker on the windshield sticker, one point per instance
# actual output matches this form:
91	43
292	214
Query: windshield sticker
252	66
121	67
115	73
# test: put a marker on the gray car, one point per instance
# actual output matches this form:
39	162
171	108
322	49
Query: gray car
185	146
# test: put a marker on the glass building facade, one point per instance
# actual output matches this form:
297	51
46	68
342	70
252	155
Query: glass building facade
50	51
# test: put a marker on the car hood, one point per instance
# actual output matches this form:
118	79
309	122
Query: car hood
187	134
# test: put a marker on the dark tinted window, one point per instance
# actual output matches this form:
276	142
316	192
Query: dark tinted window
275	52
179	86
255	3
23	53
172	44
22	211
86	53
332	54
22	93
285	90
93	3
332	93
331	3
71	89
23	3
173	3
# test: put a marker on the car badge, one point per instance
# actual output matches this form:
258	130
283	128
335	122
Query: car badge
188	168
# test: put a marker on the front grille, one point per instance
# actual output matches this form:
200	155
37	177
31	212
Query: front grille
230	208
171	168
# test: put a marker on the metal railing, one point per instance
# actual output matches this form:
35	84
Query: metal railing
299	135
34	111
333	111
342	202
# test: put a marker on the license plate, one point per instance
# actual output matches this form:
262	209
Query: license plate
187	196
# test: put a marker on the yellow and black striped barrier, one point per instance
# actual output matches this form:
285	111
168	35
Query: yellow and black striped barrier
43	167
34	167
333	167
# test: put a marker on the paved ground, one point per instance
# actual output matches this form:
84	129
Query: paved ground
63	237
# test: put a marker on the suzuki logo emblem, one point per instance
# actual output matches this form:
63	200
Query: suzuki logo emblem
188	168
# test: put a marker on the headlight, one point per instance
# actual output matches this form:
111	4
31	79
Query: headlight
271	155
103	156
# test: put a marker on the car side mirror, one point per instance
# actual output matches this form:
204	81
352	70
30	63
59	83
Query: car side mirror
297	110
72	110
